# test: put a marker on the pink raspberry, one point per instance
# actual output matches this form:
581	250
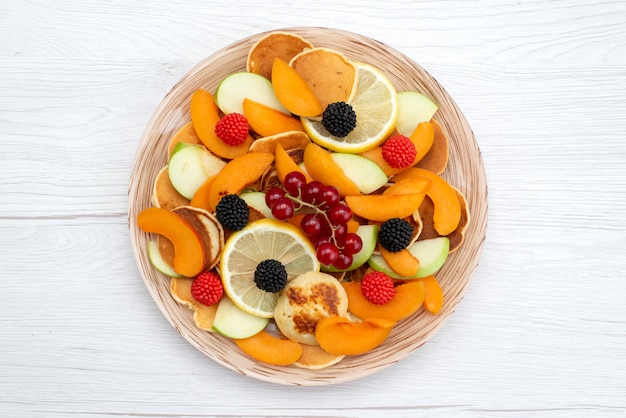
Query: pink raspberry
232	129
399	151
207	288
377	287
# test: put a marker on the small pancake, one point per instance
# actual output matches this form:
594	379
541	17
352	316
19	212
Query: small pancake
314	358
457	236
164	195
203	315
328	72
278	44
290	139
436	159
304	301
208	228
186	134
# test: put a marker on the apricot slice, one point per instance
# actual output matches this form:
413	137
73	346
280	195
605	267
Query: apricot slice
238	173
321	167
186	134
408	186
376	154
285	164
188	250
408	299
204	115
200	198
422	137
339	335
267	121
433	297
380	207
447	210
203	315
289	140
293	91
402	262
269	349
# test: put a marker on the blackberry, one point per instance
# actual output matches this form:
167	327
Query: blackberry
339	119
270	275
232	212
395	234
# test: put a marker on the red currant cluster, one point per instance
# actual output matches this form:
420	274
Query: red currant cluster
325	219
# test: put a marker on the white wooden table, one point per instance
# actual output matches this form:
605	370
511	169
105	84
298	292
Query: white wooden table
542	328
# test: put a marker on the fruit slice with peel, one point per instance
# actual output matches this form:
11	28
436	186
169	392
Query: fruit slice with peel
376	207
368	176
267	121
413	108
369	237
375	103
190	166
433	300
338	335
233	322
157	260
407	300
264	347
237	174
204	116
321	167
262	240
422	137
188	250
431	253
293	91
408	186
203	315
256	200
447	211
236	87
285	164
402	262
200	198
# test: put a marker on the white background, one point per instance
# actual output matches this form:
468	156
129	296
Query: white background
541	330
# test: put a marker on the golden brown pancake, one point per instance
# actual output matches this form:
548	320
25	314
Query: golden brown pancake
203	315
436	159
329	73
186	134
277	44
164	195
314	358
304	301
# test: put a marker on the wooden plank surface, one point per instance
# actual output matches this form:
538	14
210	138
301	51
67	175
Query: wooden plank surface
540	332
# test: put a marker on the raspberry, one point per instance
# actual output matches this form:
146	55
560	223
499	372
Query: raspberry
232	129
399	151
377	287
207	288
395	234
270	275
339	119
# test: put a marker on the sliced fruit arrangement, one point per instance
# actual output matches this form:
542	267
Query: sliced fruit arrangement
303	211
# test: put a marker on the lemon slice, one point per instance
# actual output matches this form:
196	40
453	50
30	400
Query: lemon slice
375	102
262	240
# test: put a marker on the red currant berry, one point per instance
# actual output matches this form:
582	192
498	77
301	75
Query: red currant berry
340	214
311	192
327	253
343	261
311	224
352	243
272	195
340	230
329	196
321	240
283	209
293	182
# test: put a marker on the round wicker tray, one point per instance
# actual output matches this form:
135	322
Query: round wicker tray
465	171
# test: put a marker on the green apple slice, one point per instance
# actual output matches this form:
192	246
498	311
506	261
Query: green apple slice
369	237
365	173
413	109
256	200
190	166
236	87
432	254
157	260
233	322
